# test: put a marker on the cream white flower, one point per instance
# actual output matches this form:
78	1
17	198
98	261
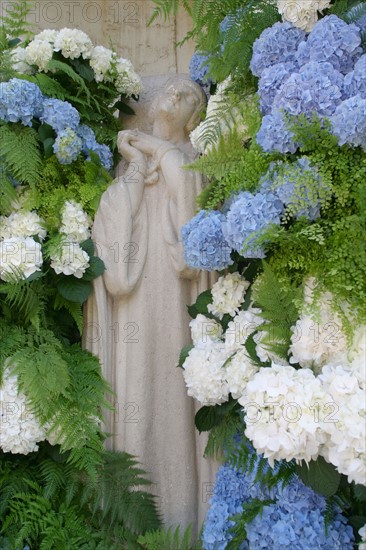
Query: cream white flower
101	62
204	374
362	533
70	259
18	59
39	53
47	35
20	430
19	258
239	371
204	331
73	43
242	326
316	342
346	423
302	13
22	223
127	81
280	404
75	222
228	295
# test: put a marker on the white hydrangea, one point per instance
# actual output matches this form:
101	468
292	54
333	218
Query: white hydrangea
70	259
20	431
302	13
320	341
220	116
362	533
242	326
73	43
39	53
357	356
227	295
205	331
75	222
19	258
47	35
127	81
281	406
18	61
22	223
204	374
101	62
239	371
346	422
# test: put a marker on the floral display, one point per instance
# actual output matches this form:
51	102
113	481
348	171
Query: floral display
227	295
288	515
302	14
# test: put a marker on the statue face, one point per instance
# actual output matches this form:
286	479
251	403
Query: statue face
177	103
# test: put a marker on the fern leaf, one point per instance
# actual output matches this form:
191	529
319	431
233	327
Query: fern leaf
69	71
19	149
167	540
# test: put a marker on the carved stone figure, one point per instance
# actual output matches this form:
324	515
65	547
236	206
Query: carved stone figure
137	321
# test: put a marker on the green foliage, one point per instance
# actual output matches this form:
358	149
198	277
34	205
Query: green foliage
168	540
47	503
221	436
200	307
320	475
19	151
277	302
250	511
14	18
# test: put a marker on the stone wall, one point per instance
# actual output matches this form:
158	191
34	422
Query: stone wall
123	24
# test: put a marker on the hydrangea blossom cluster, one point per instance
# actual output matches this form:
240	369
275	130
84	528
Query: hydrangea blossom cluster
204	330
240	328
21	101
296	519
75	44
227	295
20	257
302	13
298	186
322	74
22	224
362	533
279	404
198	70
69	258
20	430
247	218
346	444
204	244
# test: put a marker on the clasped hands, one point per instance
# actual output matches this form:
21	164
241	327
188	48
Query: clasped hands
135	145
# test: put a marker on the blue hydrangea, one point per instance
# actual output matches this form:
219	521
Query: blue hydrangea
310	91
274	134
204	243
105	155
296	522
198	69
67	146
60	115
20	101
303	200
248	218
277	44
332	40
271	81
88	138
355	81
349	122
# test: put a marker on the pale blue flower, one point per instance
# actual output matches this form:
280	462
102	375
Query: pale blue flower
60	115
89	143
332	40
198	69
274	134
277	44
204	243
67	146
349	122
355	81
105	155
248	217
20	101
271	81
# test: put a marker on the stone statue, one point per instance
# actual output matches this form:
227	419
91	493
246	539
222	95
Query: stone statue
137	321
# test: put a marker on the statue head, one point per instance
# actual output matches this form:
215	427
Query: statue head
179	103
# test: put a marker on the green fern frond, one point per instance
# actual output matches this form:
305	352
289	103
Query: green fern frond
73	308
61	67
221	437
25	298
166	8
19	150
14	18
7	193
168	540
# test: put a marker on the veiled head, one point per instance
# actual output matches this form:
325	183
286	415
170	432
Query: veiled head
179	103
